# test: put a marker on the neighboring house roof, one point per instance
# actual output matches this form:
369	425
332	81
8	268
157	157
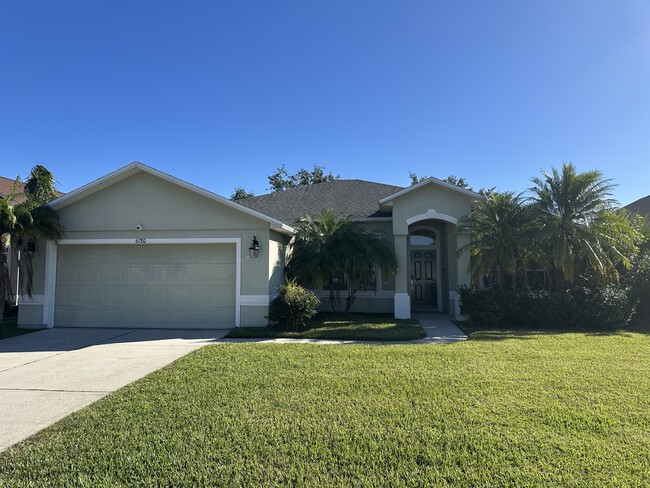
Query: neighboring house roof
136	167
640	206
357	198
7	184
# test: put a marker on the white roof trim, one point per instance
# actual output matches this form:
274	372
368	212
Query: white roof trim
434	181
136	167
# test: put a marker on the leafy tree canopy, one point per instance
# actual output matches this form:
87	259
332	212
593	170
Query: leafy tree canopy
240	193
281	180
454	180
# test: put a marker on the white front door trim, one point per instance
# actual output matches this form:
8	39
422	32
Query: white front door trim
51	259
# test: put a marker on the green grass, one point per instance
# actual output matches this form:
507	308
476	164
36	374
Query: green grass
503	409
9	328
353	327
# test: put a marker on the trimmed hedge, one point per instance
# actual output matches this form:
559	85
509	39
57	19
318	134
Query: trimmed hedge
606	306
293	306
638	280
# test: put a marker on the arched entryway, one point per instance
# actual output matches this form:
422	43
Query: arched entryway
425	269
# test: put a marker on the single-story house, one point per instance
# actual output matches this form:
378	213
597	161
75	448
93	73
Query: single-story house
145	249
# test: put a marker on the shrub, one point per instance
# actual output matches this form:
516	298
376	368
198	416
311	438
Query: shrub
638	281
293	306
603	306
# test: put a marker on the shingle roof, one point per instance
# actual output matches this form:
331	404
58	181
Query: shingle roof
357	198
640	206
7	184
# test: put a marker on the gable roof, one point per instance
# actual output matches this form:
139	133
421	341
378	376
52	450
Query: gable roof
137	167
7	184
640	206
358	198
432	181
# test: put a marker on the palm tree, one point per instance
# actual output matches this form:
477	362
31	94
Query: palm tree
22	225
500	230
336	250
40	186
578	225
7	224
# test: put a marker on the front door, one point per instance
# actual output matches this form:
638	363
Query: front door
424	279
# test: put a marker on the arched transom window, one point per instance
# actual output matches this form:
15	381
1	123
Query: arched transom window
422	237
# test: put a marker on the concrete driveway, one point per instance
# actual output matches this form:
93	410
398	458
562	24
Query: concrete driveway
46	375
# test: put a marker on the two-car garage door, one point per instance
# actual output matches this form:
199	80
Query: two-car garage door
190	285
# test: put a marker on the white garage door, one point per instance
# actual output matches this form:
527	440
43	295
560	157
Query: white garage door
145	286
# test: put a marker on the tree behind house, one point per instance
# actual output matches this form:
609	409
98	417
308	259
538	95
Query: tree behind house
281	180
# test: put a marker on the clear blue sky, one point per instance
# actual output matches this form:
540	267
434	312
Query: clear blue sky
221	93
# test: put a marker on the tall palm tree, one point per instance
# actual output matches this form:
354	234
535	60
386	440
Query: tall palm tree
336	250
500	230
7	224
579	228
23	224
40	187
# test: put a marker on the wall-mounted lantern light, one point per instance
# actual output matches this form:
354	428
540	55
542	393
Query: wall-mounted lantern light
254	250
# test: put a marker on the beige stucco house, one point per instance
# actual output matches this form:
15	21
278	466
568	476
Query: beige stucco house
145	249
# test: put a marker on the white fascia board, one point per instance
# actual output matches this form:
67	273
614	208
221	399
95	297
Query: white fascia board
284	228
135	167
434	181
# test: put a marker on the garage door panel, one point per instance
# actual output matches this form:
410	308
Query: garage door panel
166	286
133	295
70	274
88	255
89	294
116	273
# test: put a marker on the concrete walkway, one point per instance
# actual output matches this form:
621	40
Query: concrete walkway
47	375
438	327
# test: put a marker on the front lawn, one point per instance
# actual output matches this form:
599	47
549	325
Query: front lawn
351	327
502	409
9	328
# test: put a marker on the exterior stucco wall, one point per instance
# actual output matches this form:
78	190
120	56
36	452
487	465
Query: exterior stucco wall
164	210
254	316
428	197
277	258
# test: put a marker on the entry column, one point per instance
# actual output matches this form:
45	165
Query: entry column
402	280
462	268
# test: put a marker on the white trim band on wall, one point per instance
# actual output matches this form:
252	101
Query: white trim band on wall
51	259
